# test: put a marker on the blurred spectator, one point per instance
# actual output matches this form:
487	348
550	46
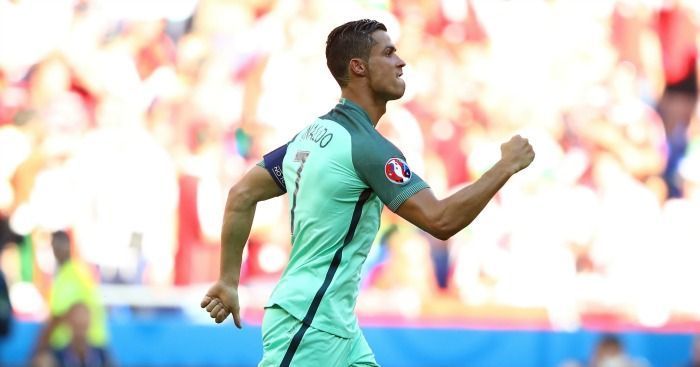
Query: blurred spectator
694	353
14	148
7	237
677	32
609	352
81	351
5	308
72	285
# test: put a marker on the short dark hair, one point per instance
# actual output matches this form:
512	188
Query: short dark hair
348	41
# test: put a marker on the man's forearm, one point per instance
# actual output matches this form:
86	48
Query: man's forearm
43	341
464	206
257	185
238	219
221	300
444	218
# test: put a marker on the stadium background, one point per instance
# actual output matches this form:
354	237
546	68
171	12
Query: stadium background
125	122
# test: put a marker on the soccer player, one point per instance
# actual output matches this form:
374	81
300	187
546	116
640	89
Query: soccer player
339	172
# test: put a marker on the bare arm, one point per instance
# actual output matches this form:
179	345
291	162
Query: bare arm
222	298
256	185
444	218
42	343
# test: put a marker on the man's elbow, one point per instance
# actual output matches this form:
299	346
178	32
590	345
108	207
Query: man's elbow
442	234
441	229
240	197
445	229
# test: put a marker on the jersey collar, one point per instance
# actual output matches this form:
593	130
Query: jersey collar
355	107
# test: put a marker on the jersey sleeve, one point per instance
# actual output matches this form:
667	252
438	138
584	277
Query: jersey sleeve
272	162
384	169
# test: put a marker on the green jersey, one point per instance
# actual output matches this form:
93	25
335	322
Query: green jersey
338	173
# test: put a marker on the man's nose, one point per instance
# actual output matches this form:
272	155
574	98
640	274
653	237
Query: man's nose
401	62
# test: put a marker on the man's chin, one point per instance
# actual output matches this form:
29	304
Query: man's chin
395	97
390	95
398	94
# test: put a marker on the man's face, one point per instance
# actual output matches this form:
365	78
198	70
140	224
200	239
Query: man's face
61	251
385	68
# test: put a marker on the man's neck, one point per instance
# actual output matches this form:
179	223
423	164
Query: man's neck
374	108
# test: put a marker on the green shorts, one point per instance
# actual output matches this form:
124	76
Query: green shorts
286	344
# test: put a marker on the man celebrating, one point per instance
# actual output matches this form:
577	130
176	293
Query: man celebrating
339	172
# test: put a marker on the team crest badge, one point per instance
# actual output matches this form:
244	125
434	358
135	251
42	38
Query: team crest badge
397	171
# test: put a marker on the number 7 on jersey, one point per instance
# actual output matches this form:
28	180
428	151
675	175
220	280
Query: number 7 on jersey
299	157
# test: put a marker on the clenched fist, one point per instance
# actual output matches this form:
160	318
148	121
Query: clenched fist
517	153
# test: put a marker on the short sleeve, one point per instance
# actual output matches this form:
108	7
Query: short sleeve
385	170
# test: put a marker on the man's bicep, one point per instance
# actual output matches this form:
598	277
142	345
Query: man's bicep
264	181
261	184
422	209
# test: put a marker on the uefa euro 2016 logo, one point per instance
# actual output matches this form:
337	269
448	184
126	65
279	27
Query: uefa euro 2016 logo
397	171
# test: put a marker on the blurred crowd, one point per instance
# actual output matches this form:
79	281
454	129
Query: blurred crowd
124	123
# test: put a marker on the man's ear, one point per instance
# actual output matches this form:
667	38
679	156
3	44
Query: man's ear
358	67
